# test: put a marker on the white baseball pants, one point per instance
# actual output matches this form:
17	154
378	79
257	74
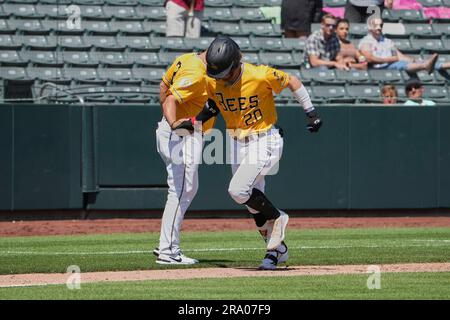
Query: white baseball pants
252	160
180	24
182	156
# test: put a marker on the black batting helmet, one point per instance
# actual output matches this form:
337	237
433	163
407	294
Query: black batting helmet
222	56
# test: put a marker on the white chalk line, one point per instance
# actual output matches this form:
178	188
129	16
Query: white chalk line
68	253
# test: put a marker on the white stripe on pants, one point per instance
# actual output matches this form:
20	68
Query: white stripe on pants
182	157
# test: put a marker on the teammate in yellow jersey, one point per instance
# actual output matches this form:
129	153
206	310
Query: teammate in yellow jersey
243	94
182	95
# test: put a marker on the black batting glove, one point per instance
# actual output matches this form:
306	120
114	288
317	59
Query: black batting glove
186	124
314	122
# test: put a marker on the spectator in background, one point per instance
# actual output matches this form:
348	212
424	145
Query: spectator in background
381	52
322	46
184	18
356	10
389	94
414	91
298	15
348	53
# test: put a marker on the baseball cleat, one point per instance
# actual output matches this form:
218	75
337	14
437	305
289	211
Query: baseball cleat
156	251
175	259
274	257
278	231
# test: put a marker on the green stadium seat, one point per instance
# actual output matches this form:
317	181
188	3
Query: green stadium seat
436	93
169	43
385	76
330	93
56	2
47	74
5	28
72	42
89	2
404	15
11	58
259	29
79	58
135	42
37	42
43	58
358	30
20	10
245	44
13	73
442	77
249	14
294	44
152	13
227	28
430	3
364	93
315	26
129	27
101	42
151	3
143	58
82	75
420	30
199	44
268	44
284	97
317	75
110	59
115	74
92	12
218	3
155	27
404	45
334	3
51	11
278	59
446	3
441	28
122	2
295	72
219	14
271	3
248	3
166	58
122	12
251	57
98	27
8	42
353	76
430	45
151	75
423	76
27	26
61	27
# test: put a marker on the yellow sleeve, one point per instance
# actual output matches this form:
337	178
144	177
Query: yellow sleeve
186	87
276	79
170	73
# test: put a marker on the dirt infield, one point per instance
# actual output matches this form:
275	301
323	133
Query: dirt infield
61	278
106	226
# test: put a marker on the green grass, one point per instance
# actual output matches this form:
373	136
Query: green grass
224	249
393	286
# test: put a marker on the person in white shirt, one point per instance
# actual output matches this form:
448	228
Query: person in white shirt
414	90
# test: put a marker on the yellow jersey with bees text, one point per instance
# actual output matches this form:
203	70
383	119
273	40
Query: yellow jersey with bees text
247	105
186	79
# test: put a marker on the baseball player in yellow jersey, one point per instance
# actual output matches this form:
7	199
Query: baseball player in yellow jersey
182	95
243	94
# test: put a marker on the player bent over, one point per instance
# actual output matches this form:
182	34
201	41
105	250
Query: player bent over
182	95
243	94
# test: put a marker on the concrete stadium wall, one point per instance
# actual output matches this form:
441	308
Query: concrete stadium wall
104	157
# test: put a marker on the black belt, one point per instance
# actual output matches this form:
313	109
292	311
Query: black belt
259	135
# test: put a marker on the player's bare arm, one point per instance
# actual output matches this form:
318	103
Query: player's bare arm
209	111
170	109
163	92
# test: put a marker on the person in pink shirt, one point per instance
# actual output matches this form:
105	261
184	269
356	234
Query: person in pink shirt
184	18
